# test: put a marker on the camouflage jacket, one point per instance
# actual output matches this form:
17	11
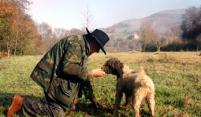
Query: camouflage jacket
62	70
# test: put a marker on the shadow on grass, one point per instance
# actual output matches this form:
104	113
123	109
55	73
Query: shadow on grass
107	111
90	110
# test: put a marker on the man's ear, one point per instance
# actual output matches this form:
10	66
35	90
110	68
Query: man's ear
95	46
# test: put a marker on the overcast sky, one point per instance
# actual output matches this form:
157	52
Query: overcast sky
70	13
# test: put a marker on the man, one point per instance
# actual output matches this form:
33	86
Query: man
62	74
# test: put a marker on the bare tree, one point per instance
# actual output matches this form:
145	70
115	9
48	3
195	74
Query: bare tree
144	37
60	32
47	35
87	18
149	37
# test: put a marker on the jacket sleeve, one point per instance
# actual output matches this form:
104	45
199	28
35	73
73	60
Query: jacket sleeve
73	61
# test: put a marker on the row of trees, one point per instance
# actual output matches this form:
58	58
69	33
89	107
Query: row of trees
153	41
50	36
186	37
20	35
149	40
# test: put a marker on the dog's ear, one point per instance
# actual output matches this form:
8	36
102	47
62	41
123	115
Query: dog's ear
119	68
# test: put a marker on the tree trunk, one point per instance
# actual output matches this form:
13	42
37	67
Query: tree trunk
158	48
15	47
8	50
197	48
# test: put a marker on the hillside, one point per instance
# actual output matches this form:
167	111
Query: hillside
162	22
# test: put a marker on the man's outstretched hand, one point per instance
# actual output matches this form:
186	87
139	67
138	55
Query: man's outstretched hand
97	73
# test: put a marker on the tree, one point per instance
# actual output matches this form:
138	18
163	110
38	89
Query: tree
87	18
17	29
60	32
47	35
191	25
149	37
174	42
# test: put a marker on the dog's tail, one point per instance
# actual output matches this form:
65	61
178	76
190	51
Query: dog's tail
142	70
126	69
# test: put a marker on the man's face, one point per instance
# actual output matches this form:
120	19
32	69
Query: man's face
94	47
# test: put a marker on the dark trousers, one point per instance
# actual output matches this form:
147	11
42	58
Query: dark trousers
41	107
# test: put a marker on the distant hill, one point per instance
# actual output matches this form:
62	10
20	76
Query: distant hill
161	21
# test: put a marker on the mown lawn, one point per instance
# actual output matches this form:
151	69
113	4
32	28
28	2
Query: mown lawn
177	78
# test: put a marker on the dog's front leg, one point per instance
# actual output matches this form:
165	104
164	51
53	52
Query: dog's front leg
117	102
116	107
128	102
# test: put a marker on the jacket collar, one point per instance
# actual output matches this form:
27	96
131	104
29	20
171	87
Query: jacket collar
87	46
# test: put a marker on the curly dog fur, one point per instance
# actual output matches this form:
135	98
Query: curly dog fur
136	86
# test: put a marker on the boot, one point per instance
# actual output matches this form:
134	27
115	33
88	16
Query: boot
15	106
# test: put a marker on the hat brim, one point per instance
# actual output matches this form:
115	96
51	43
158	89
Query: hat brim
98	42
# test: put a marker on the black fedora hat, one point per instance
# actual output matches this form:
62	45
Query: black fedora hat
100	37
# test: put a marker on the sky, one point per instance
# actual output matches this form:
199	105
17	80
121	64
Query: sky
70	14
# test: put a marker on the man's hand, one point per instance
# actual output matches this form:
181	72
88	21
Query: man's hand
97	73
98	105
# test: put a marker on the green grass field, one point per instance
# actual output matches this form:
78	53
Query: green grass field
177	78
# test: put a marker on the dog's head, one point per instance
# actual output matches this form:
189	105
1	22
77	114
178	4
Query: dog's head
113	66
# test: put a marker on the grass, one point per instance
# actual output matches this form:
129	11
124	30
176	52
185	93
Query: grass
177	78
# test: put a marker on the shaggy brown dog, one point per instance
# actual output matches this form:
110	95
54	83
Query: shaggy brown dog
135	85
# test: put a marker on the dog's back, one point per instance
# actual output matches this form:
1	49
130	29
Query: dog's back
139	78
